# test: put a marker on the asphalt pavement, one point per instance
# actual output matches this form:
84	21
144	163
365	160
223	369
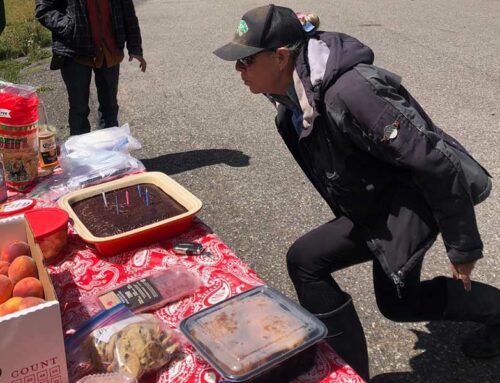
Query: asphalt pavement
198	123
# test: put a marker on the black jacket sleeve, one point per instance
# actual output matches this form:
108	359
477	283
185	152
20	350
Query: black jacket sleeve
132	30
50	15
395	132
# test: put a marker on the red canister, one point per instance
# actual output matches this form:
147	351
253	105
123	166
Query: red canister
50	229
18	134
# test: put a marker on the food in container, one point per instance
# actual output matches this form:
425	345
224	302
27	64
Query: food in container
18	134
252	332
130	212
50	229
126	209
134	346
146	293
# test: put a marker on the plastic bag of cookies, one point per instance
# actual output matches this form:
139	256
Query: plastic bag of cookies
133	346
107	378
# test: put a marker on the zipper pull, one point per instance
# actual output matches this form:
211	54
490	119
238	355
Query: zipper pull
399	284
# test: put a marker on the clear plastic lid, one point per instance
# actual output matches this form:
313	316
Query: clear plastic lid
25	91
248	334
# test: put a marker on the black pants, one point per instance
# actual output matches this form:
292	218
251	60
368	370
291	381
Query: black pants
336	245
77	78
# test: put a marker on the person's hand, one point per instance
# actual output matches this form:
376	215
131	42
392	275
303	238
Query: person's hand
463	272
142	64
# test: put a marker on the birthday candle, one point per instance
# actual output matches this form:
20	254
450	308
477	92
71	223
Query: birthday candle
116	203
139	190
104	199
147	197
127	197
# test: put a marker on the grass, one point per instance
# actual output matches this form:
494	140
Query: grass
23	41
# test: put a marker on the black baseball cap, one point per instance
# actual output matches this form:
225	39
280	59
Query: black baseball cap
263	28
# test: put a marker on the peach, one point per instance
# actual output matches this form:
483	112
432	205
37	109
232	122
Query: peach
5	288
4	266
30	302
28	287
10	306
22	267
14	249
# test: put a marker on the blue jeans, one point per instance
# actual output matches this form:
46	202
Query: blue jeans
77	78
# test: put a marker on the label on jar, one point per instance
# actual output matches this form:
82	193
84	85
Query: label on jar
5	113
21	168
48	148
16	143
134	295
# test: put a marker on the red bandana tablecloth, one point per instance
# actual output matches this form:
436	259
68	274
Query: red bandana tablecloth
81	272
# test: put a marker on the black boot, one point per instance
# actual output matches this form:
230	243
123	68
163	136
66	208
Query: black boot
481	305
346	336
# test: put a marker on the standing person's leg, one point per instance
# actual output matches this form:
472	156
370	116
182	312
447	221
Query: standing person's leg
106	81
443	298
311	260
77	79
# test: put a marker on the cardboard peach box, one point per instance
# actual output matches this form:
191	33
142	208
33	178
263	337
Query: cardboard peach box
31	340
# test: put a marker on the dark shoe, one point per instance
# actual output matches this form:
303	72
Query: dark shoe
346	336
482	343
480	305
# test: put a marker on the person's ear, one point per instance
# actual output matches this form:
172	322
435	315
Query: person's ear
284	57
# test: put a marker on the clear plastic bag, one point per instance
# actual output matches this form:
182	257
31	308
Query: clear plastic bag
90	159
86	168
104	318
113	139
107	378
134	346
146	293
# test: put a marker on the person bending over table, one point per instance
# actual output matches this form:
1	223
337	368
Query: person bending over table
393	179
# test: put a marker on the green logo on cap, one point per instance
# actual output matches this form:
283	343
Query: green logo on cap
242	28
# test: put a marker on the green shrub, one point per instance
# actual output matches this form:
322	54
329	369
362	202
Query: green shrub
19	39
23	37
10	69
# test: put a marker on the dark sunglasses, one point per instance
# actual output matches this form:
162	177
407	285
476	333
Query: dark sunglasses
249	60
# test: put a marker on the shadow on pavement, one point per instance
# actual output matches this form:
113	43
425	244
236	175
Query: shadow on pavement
442	360
174	163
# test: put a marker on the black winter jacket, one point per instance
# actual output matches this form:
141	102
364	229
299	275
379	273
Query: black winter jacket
71	34
376	157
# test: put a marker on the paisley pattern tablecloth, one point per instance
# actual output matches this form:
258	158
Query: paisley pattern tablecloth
80	271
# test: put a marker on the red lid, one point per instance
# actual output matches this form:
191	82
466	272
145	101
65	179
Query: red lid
19	105
16	207
46	221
